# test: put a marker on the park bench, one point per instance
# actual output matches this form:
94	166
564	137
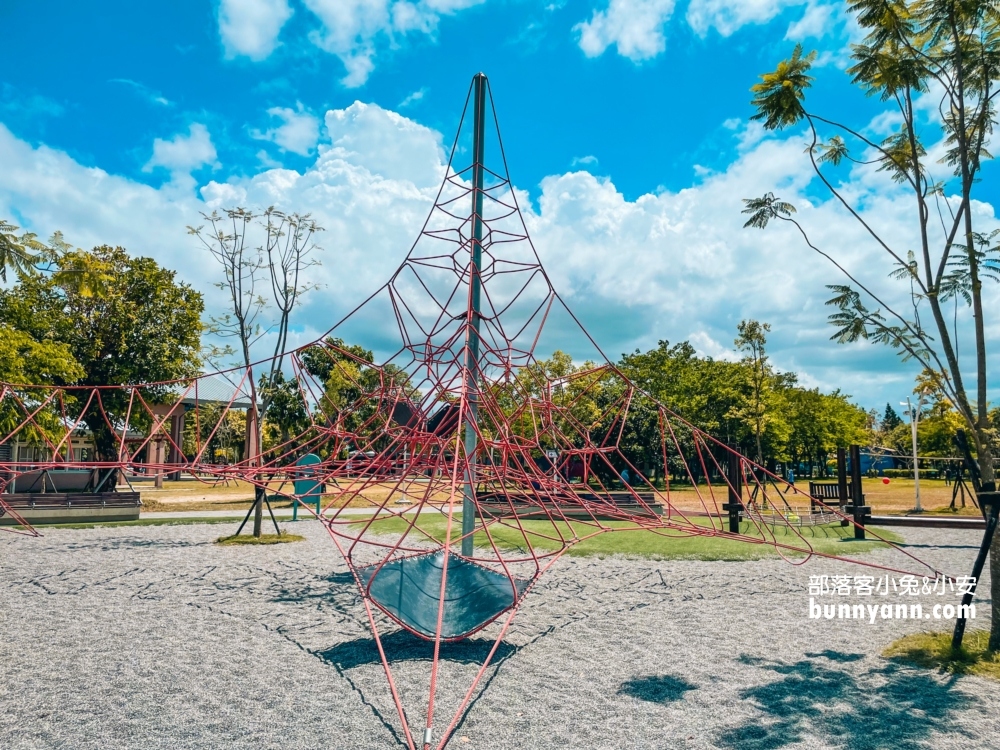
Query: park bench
828	493
68	495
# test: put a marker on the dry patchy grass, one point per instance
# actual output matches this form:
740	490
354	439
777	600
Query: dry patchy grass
248	539
933	651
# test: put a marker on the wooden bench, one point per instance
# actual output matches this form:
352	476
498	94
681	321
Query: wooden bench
829	494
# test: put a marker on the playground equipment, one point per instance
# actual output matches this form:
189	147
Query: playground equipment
457	417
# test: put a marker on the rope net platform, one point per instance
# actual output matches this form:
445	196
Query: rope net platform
480	466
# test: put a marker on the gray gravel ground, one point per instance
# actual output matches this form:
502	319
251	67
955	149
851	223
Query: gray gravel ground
149	637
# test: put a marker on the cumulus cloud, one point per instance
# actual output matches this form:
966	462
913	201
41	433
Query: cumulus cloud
183	154
388	145
251	27
671	265
635	27
52	191
353	30
298	131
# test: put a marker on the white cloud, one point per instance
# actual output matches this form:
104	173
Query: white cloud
251	27
706	346
817	21
727	16
635	27
19	103
354	29
52	191
413	98
183	154
150	95
298	132
671	265
583	160
386	144
265	160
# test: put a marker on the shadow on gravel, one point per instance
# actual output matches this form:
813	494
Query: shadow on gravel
344	578
837	656
662	688
403	646
828	699
107	545
331	589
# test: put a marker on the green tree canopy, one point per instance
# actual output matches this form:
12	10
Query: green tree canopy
137	325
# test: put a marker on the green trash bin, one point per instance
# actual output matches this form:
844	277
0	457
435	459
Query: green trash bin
307	488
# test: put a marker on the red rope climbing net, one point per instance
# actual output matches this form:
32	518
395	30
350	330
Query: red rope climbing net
459	468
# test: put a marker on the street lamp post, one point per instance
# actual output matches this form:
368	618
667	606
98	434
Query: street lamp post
914	420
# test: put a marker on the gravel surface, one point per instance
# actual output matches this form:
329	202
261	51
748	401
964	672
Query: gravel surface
149	637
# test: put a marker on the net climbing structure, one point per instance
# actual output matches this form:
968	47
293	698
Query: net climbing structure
481	463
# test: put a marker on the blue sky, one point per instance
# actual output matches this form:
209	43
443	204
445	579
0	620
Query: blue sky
130	74
625	122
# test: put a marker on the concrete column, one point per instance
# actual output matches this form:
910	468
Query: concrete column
177	436
251	449
157	446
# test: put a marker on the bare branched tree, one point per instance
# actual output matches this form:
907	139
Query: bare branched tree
263	282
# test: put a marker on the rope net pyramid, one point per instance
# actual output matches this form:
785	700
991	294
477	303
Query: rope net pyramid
480	463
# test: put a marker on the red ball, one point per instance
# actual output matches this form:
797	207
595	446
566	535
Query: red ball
885	480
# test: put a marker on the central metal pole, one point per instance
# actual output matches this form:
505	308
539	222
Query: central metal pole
475	283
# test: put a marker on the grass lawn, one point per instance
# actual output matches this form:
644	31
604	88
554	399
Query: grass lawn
828	539
933	651
897	497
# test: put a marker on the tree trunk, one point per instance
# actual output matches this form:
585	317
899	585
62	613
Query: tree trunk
989	484
252	447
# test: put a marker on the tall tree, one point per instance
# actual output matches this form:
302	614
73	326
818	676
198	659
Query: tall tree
21	253
141	327
752	341
890	419
915	52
